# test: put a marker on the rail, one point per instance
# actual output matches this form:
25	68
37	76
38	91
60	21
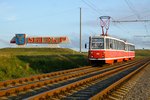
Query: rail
101	95
72	86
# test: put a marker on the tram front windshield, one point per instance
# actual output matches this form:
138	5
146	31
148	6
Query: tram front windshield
97	43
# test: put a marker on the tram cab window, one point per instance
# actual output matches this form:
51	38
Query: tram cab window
97	43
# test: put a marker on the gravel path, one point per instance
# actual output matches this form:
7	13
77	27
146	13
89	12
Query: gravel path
141	91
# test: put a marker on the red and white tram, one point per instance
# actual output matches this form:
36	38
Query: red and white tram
106	49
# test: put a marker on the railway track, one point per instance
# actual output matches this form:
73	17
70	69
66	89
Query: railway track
69	84
119	93
122	90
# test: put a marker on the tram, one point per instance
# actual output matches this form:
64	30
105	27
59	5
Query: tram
106	49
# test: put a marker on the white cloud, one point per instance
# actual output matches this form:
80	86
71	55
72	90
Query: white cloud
11	18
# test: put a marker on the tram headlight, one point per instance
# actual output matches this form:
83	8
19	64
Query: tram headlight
97	53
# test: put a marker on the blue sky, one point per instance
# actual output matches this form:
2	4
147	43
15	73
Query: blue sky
61	18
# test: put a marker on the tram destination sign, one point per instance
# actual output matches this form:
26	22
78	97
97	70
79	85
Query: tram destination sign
22	39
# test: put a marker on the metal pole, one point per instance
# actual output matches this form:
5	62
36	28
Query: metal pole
80	32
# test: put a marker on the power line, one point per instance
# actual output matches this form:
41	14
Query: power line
93	7
130	5
142	36
134	15
146	28
130	21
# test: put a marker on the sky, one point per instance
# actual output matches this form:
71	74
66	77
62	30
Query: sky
62	18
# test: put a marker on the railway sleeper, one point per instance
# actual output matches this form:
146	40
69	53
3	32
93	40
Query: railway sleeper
121	93
125	89
112	98
117	95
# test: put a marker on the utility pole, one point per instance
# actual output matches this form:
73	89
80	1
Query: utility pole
80	33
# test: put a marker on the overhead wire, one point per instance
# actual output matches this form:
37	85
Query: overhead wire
133	15
93	7
131	7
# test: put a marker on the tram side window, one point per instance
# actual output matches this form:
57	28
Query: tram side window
107	43
111	44
126	47
122	46
129	47
116	44
132	48
119	45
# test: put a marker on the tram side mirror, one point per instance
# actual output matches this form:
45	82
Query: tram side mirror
85	45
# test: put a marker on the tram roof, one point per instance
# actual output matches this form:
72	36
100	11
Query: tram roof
100	36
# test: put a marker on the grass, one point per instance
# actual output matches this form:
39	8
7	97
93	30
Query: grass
23	62
140	53
35	51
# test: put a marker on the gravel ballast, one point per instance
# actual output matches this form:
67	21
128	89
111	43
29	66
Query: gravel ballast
141	90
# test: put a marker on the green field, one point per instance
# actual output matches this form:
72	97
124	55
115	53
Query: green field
23	62
142	53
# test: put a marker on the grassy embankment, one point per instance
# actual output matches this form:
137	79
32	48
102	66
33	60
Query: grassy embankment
142	53
23	62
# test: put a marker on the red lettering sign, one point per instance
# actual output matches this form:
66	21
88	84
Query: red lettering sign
54	40
30	40
38	40
49	40
46	39
62	39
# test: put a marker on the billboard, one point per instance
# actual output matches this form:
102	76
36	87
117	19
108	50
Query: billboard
21	39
